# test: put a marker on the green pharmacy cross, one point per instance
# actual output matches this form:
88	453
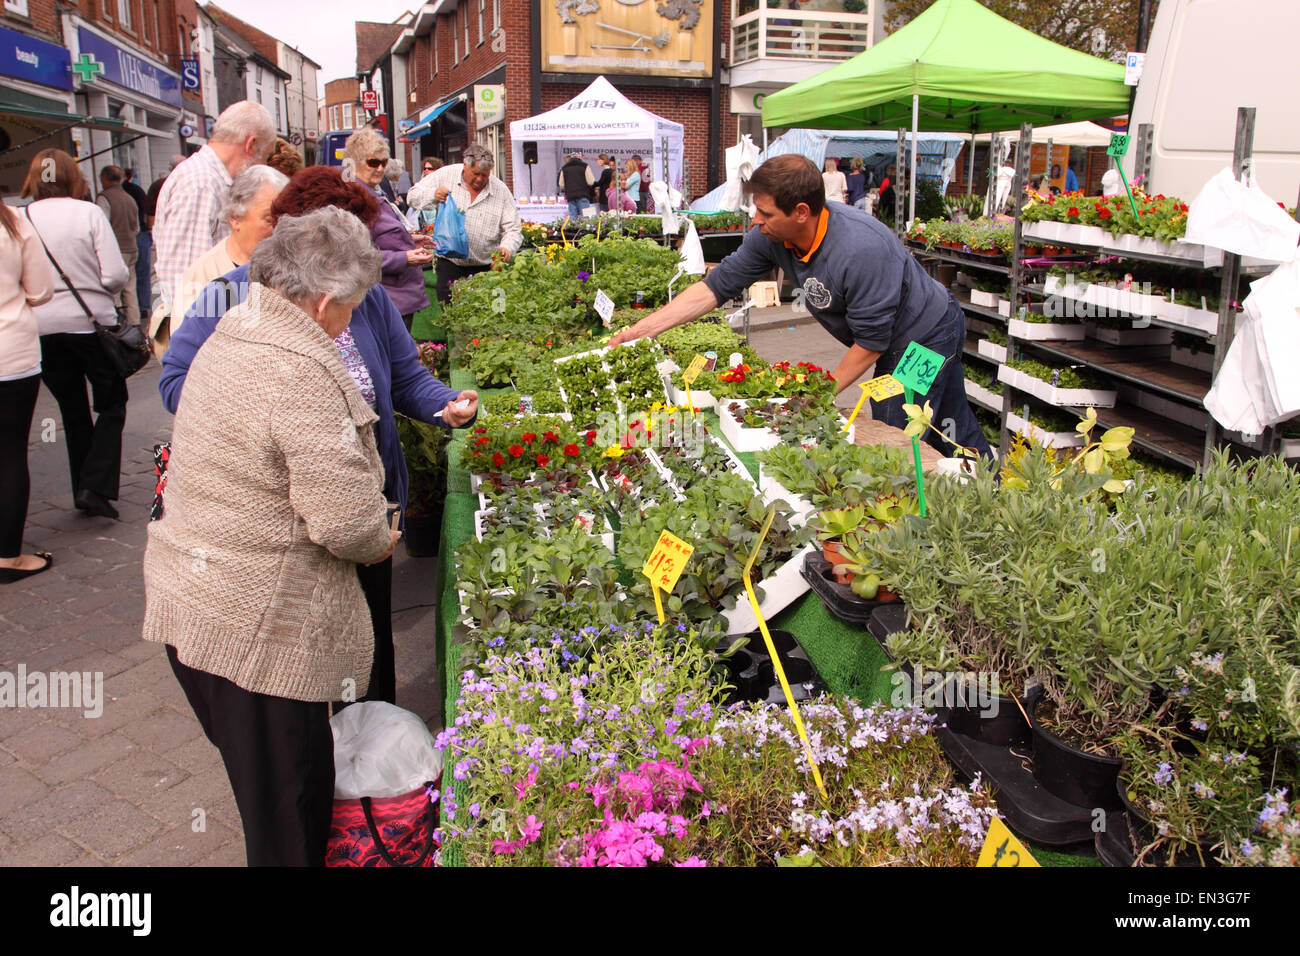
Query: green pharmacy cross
86	67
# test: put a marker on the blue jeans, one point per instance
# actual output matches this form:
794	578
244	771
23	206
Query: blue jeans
952	412
578	207
144	243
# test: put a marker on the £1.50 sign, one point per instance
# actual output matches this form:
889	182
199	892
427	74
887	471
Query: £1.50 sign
664	566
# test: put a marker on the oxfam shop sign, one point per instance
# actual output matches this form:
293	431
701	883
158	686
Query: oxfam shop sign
489	104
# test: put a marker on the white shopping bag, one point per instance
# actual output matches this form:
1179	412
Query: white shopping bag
1241	218
664	205
381	750
692	251
742	160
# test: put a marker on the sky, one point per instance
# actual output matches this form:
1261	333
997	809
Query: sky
320	29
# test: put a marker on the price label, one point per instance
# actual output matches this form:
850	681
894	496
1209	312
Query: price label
604	307
1118	145
1002	849
882	387
667	560
918	368
694	369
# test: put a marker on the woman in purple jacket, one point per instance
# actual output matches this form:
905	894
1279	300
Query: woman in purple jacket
366	154
378	353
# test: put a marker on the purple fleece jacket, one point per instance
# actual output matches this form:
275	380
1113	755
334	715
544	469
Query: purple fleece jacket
404	283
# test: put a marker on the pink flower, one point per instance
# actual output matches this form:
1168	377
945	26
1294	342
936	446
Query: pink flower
531	829
692	861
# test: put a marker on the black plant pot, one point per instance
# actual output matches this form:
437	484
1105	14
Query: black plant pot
838	599
422	535
1083	779
1128	833
750	669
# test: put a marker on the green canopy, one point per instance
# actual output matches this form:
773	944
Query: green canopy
971	72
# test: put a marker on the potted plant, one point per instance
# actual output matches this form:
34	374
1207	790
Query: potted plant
425	449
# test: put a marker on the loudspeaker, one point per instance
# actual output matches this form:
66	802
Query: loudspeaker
530	153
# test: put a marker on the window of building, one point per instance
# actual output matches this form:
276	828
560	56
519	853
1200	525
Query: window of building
258	94
278	124
347	116
433	48
259	76
124	13
334	118
465	22
455	42
496	15
482	5
108	9
157	24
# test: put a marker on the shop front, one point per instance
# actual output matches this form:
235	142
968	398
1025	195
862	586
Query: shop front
35	100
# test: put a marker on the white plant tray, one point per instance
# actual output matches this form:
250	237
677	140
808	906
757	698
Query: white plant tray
677	396
779	589
1152	335
1004	307
1099	397
746	439
1193	252
1186	357
1203	320
987	300
991	350
980	393
1290	448
1044	332
772	490
1051	439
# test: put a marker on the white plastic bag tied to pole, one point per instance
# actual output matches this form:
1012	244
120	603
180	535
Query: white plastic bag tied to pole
1241	218
692	251
666	201
742	160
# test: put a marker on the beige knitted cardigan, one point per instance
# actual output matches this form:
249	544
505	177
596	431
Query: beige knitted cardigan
274	493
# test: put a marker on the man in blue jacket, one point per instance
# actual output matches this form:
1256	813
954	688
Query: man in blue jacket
852	273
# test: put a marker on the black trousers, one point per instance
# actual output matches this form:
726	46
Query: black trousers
279	755
377	585
17	403
68	362
448	272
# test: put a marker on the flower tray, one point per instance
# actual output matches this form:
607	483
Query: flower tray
838	599
987	300
1193	253
677	396
1190	317
1290	448
776	592
772	490
744	439
753	678
991	350
1051	439
1004	307
1045	331
981	394
1153	335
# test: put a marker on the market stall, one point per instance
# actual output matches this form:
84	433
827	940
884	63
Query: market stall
598	120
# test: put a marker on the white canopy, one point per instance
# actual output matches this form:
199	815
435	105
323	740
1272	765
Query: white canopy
1067	134
598	120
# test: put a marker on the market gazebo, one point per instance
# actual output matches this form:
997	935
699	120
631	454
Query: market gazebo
958	67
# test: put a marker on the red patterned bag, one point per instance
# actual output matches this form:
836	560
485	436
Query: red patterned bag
385	831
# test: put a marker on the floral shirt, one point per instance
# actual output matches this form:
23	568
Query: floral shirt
355	365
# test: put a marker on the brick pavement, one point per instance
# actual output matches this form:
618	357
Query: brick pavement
124	788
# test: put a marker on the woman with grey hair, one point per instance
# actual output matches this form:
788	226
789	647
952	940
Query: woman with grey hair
275	495
491	214
365	157
248	211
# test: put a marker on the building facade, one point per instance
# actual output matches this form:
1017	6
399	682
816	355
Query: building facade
342	105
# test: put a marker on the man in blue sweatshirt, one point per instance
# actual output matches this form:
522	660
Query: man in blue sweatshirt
852	273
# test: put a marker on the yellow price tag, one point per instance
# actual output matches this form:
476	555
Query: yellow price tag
879	388
693	370
776	660
664	566
1002	849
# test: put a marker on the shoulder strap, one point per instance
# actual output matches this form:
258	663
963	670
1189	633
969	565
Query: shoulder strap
58	268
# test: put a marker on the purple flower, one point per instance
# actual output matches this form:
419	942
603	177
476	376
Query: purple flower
1163	775
584	276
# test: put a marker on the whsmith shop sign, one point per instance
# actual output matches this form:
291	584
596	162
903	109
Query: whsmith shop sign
128	70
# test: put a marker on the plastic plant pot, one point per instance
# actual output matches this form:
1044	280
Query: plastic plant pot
1083	779
838	599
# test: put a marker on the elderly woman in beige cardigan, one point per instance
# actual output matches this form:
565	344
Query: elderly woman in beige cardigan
274	495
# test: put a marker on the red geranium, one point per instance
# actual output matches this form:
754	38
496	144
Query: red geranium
515	451
573	451
1073	212
591	437
542	461
480	431
551	437
482	440
1103	212
529	437
498	459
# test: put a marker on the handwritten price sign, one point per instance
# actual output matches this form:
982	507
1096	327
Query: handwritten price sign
878	389
667	560
918	368
693	370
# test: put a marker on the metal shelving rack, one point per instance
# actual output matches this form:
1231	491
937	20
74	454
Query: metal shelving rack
1138	369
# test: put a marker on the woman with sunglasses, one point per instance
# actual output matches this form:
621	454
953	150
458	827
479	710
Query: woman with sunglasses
431	165
405	253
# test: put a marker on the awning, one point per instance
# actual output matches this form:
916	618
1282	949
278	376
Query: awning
55	120
422	127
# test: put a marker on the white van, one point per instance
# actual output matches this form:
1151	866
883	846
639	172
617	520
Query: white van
1205	59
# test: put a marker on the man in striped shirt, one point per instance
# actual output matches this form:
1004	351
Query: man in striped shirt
188	220
491	213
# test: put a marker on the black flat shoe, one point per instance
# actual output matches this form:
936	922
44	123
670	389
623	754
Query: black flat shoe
94	503
10	575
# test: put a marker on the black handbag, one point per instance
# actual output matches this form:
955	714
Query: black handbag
125	344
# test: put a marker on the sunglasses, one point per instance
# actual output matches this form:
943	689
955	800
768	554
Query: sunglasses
428	169
376	163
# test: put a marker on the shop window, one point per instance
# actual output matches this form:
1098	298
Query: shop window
482	4
124	13
347	116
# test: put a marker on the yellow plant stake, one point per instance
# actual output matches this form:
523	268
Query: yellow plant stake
691	373
880	388
771	650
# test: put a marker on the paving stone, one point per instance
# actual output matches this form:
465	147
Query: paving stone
56	656
86	602
208	790
127	611
142	650
168	691
112	828
197	756
18	787
140	677
108	547
43	616
50	849
232	854
87	759
117	713
20	645
140	776
182	846
14	720
163	731
38	743
80	570
53	810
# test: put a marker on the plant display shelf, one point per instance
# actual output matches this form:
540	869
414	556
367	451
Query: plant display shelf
980	310
1158	321
1134	365
1165	437
973	261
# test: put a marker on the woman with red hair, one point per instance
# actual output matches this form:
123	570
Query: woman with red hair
380	356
